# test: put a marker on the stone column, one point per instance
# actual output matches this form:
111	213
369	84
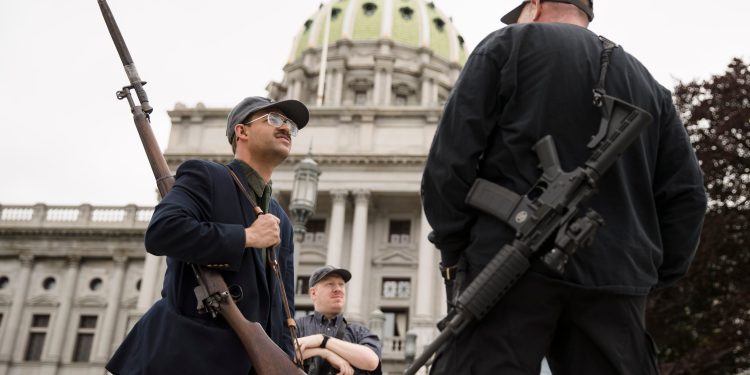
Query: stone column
429	91
336	233
62	318
339	89
426	90
297	239
377	88
425	272
384	62
358	256
330	89
423	322
297	90
148	282
104	348
20	289
387	88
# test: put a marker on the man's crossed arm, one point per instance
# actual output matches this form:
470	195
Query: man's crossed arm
354	355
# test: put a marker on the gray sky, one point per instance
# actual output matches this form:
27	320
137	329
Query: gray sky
66	139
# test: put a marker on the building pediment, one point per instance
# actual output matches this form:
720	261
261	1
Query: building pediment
91	301
312	256
44	300
130	302
395	257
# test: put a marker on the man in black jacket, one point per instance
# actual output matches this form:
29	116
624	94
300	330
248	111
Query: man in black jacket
207	220
522	82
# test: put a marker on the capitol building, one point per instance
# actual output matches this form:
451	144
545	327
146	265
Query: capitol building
375	75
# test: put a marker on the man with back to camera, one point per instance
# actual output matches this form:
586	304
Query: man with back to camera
206	219
523	82
328	342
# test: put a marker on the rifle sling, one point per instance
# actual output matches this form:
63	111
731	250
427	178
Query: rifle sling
274	265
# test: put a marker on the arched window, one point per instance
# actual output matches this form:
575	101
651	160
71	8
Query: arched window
439	23
95	284
369	8
406	13
335	13
49	283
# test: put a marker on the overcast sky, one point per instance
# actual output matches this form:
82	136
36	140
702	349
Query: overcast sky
66	139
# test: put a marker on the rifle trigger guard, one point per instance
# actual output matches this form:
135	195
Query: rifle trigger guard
213	302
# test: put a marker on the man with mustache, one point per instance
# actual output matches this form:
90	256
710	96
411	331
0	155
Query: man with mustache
333	345
208	219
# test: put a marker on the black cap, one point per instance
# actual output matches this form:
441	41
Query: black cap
512	16
294	109
324	271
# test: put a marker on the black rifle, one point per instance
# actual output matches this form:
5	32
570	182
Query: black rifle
212	292
552	206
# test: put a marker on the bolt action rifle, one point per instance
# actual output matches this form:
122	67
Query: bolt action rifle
552	206
212	292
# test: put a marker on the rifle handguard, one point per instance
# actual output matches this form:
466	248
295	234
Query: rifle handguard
497	277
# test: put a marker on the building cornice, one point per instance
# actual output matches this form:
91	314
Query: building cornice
181	112
333	160
74	232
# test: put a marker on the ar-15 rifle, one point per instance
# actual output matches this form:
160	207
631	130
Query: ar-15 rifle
553	205
212	292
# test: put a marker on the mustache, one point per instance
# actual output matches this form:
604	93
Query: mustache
284	132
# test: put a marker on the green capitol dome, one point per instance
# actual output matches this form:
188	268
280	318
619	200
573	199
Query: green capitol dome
377	53
409	23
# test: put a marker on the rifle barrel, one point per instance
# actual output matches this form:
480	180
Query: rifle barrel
127	60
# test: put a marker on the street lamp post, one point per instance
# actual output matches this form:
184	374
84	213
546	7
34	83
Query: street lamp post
303	199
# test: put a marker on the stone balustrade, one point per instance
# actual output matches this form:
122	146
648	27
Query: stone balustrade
393	347
85	215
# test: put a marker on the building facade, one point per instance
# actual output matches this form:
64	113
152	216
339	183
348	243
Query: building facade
375	75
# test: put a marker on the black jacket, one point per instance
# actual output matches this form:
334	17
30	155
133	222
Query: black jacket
523	82
202	221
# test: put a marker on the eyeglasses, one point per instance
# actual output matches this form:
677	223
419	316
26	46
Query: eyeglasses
276	120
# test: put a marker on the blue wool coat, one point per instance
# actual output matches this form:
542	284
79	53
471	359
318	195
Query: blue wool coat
201	221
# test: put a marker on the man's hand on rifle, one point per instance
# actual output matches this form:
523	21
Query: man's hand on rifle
264	232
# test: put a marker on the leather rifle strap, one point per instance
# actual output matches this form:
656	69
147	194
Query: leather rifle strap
274	264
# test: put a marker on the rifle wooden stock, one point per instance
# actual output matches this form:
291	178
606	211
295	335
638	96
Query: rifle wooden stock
267	358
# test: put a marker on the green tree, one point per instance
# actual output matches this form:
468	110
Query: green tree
703	324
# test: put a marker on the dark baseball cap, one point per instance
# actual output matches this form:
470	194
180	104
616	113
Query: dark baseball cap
512	16
294	109
322	272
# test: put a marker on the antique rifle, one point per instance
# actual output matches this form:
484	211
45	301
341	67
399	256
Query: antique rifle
267	358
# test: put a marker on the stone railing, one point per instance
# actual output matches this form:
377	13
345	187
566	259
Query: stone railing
393	347
85	215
